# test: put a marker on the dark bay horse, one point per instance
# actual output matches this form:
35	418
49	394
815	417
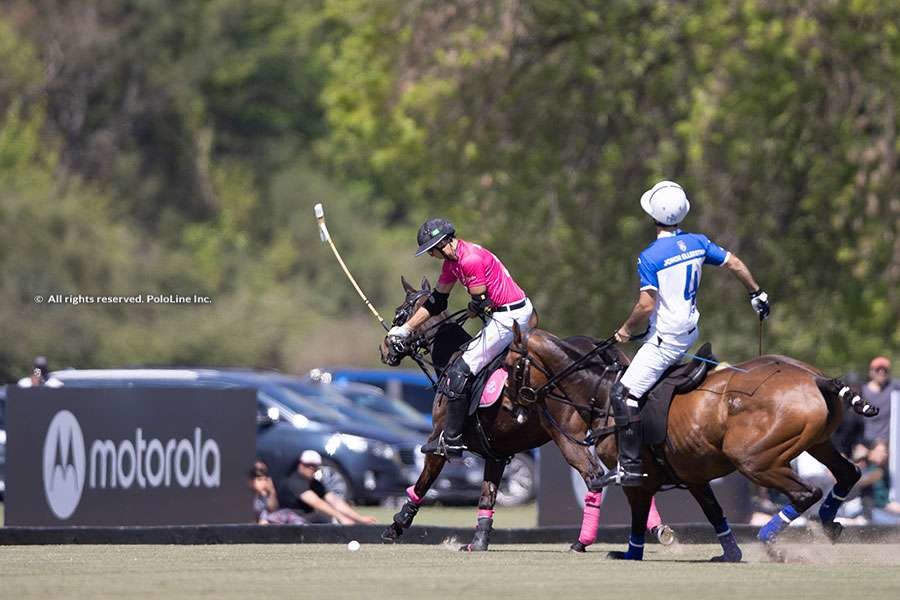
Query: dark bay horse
495	433
754	418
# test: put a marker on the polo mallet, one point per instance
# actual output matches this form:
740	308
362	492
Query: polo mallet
760	336
326	237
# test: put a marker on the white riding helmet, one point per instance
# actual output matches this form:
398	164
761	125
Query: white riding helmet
666	202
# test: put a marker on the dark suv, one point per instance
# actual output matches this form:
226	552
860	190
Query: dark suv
519	484
2	442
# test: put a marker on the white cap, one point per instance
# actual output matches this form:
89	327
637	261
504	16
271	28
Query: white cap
311	457
666	202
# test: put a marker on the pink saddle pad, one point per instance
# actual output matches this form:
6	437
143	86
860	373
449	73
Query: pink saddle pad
493	388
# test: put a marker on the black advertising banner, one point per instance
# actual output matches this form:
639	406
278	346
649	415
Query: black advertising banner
129	456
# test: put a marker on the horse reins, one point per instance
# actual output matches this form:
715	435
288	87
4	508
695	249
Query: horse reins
522	374
522	380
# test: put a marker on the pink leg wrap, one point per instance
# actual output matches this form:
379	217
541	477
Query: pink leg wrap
590	521
413	497
485	512
653	519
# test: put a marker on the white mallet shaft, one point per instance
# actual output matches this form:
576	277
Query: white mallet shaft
323	233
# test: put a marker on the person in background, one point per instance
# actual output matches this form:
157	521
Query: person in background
308	497
40	375
875	487
265	500
877	392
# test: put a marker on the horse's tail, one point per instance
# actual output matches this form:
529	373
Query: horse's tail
836	391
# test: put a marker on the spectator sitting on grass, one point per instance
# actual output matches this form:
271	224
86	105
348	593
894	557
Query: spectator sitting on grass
308	496
265	500
875	487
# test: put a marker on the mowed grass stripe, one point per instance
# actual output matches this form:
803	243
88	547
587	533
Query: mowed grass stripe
376	571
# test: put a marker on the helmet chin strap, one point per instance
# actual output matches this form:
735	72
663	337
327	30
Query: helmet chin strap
441	249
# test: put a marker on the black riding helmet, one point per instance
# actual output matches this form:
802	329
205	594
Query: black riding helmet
433	232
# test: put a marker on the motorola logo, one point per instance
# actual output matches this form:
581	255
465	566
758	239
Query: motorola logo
64	464
137	461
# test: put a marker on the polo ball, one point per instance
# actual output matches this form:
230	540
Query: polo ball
353	546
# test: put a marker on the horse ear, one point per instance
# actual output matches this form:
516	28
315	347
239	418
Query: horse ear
426	286
517	333
406	287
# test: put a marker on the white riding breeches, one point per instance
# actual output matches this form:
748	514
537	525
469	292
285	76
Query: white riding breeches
496	335
658	353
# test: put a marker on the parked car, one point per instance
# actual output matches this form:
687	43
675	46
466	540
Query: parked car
367	398
459	481
519	483
2	442
413	387
362	463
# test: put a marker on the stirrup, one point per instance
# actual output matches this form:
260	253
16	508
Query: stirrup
440	447
618	476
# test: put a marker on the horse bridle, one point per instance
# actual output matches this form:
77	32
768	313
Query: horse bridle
527	394
417	344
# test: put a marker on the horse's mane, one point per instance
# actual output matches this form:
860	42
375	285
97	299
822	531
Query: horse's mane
574	352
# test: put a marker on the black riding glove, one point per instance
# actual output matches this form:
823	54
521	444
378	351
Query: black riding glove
759	300
480	305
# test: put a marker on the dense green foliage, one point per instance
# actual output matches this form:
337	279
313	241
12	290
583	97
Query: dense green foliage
177	147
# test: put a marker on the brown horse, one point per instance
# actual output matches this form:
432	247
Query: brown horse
495	433
754	418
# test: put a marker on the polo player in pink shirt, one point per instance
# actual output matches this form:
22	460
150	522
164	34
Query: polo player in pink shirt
496	298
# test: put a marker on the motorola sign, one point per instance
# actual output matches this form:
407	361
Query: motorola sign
129	456
63	464
148	464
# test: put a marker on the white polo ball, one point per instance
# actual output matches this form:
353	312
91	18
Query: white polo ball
353	546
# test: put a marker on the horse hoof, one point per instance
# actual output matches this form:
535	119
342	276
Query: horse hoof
833	530
727	558
578	547
391	534
774	554
474	547
619	555
664	534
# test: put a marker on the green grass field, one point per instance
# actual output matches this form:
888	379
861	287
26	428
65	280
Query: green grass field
376	571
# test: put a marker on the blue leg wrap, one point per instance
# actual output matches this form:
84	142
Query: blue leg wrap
732	552
829	507
777	524
635	547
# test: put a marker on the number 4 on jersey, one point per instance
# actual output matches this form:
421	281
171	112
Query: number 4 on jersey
691	283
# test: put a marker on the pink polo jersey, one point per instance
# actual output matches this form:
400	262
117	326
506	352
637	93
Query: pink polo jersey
475	266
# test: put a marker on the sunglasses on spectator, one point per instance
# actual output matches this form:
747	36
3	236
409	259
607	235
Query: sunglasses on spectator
309	465
880	369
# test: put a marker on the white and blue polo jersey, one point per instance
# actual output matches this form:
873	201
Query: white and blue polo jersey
671	265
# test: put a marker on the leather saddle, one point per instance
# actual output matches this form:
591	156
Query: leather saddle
678	379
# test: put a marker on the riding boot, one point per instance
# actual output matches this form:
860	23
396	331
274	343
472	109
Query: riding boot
453	387
630	471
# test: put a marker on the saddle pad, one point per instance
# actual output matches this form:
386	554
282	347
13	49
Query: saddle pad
493	388
678	378
481	381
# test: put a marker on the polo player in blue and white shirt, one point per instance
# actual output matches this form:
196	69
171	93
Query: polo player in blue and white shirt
669	270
